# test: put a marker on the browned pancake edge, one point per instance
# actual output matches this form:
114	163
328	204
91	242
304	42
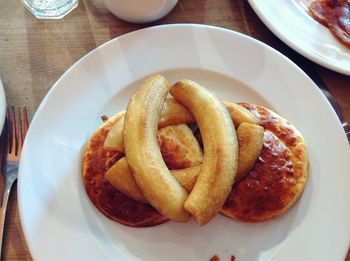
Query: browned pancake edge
104	196
279	176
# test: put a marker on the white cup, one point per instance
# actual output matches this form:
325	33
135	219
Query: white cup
140	11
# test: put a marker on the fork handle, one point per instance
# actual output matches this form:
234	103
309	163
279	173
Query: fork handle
8	185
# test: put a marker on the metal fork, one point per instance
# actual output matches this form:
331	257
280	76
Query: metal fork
16	128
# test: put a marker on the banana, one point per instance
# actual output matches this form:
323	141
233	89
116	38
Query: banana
178	146
187	177
219	165
120	177
173	112
250	141
142	151
239	114
114	139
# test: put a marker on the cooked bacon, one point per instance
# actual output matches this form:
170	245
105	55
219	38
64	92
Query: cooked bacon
334	14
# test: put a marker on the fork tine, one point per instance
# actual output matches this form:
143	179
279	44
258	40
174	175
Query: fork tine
19	132
12	138
8	129
25	122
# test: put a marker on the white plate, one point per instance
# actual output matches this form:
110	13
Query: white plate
59	221
289	20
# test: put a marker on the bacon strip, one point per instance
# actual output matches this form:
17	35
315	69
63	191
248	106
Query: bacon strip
334	14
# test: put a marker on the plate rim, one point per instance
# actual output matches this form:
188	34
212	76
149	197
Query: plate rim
54	87
312	57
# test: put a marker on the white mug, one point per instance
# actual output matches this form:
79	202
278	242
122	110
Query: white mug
140	11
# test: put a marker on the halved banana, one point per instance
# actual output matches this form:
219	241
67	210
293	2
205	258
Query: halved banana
187	177
239	114
250	141
173	112
142	151
114	139
179	148
120	177
220	150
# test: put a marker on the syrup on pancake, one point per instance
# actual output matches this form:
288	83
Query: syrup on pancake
268	187
334	14
278	178
103	195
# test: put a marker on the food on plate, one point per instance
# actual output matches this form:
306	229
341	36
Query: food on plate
250	141
114	139
214	258
187	177
220	160
180	150
120	177
143	154
173	112
269	165
239	114
178	146
111	202
335	15
278	177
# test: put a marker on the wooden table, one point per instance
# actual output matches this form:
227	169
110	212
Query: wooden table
34	54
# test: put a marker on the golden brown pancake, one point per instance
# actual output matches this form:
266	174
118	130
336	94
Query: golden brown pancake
106	198
278	178
179	148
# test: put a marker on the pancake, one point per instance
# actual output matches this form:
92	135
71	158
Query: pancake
107	199
179	148
278	177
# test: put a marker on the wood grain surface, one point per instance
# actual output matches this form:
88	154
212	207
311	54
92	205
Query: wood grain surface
35	53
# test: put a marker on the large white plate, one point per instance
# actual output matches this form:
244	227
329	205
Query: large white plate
289	20
60	223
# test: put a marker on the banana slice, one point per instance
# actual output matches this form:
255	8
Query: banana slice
120	177
114	139
250	141
220	150
142	151
173	112
187	177
179	147
239	114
